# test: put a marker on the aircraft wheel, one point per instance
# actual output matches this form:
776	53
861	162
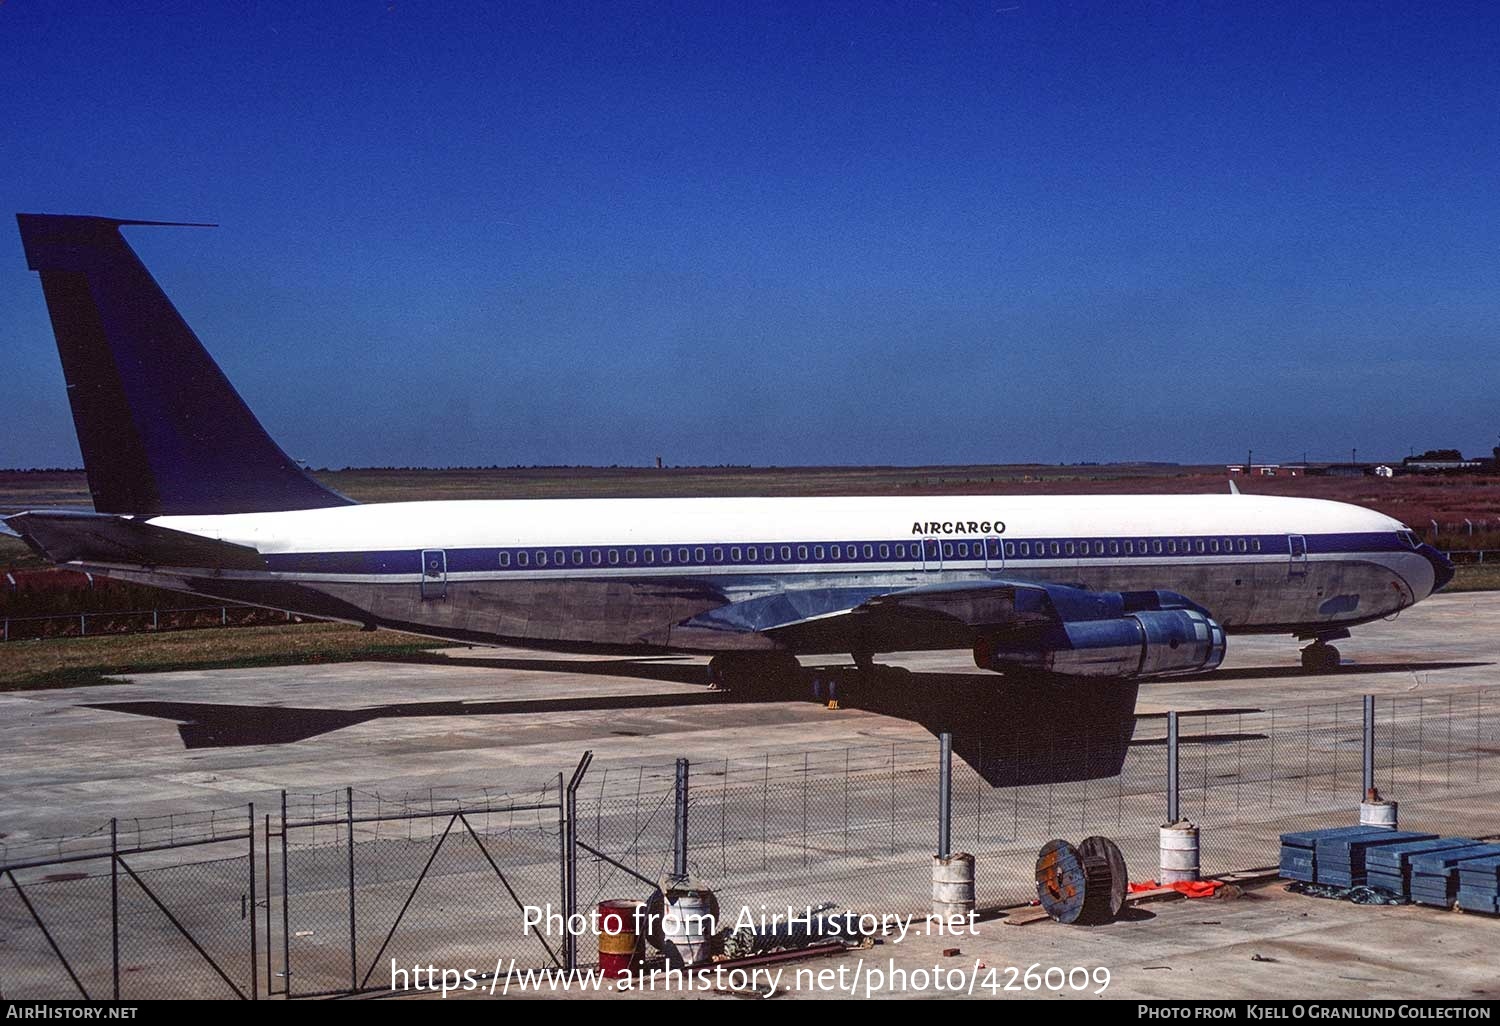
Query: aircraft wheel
1320	657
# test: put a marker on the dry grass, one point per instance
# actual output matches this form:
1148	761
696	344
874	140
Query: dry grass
1479	577
78	662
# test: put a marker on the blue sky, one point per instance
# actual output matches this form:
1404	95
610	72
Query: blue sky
759	233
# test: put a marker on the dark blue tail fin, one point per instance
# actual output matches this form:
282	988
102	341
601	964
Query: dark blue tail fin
161	428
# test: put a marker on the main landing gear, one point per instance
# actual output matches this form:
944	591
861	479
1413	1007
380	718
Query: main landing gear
1320	657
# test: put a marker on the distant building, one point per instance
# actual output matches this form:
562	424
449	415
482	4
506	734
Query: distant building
1441	461
1384	471
1261	470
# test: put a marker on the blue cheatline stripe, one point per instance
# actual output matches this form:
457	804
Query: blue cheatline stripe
1016	552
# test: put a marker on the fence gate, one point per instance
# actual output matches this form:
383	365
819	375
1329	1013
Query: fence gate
138	921
371	888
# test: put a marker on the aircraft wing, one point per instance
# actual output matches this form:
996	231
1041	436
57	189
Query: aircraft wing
977	605
65	536
1060	627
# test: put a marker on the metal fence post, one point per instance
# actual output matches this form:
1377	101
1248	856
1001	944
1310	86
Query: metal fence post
254	953
1173	794
286	901
1369	745
570	860
353	945
945	794
83	627
679	835
114	900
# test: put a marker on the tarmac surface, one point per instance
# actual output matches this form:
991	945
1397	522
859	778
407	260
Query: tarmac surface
498	720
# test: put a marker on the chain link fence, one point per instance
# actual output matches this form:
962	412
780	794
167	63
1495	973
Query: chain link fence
327	893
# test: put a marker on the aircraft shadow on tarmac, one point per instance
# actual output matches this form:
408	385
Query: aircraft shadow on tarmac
1011	730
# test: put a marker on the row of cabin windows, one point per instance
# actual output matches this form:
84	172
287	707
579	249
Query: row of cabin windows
760	554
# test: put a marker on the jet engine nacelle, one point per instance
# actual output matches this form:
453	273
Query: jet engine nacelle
1150	643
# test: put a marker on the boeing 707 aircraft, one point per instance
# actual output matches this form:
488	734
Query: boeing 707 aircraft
191	494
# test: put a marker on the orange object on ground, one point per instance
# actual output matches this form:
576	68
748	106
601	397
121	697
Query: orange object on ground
1191	888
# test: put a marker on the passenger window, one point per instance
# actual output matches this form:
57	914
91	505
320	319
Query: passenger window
786	553
630	556
522	558
596	557
947	550
1242	544
699	555
900	550
752	554
718	555
541	557
818	552
648	555
1026	548
801	552
1255	544
682	555
734	554
1069	548
614	557
1010	548
870	551
1214	545
666	555
1201	547
1171	546
963	550
1114	548
559	557
578	557
505	559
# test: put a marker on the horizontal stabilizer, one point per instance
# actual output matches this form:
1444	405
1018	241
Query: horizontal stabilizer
66	537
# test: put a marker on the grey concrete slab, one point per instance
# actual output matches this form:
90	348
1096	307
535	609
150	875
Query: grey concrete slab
498	718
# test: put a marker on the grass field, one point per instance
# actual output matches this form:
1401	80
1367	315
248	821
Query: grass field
79	662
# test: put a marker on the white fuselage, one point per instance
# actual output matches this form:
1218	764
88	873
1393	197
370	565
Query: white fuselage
624	572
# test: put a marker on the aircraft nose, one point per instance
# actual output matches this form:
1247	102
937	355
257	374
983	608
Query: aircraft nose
1442	566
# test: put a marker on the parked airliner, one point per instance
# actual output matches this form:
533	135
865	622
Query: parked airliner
191	494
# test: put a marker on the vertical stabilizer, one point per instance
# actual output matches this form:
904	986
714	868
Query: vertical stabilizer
161	429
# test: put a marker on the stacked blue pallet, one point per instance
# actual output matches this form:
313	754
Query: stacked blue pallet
1434	875
1300	851
1388	867
1479	885
1341	858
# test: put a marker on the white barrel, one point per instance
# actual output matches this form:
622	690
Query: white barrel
952	885
1179	853
1379	813
687	927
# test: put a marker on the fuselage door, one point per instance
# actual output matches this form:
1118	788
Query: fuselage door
994	555
1297	545
434	574
932	554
